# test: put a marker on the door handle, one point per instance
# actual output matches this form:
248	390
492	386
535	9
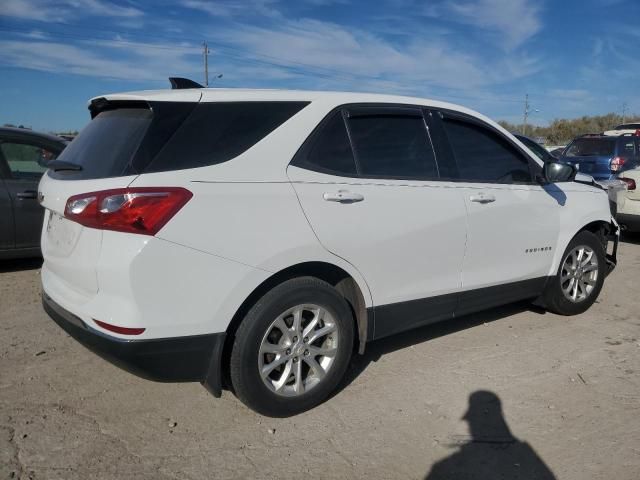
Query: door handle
343	196
482	198
27	194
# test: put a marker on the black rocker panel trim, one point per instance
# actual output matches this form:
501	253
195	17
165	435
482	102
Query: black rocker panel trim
399	317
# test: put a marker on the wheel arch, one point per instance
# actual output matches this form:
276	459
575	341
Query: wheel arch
339	278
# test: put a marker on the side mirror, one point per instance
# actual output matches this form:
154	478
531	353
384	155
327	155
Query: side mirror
555	172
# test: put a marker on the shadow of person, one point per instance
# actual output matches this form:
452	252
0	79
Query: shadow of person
492	452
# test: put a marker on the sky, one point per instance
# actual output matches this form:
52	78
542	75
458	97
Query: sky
572	57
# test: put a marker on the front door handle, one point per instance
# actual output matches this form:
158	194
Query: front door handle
343	196
482	198
27	194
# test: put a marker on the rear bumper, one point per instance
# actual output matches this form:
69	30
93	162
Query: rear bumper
194	358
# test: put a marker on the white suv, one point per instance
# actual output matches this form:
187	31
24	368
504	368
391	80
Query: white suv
254	239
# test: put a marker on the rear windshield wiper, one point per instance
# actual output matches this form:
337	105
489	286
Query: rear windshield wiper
61	165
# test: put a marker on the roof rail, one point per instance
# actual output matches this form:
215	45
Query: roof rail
179	83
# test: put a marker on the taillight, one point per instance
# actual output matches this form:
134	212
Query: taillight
631	183
142	210
617	163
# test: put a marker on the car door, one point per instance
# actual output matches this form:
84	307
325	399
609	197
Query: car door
369	184
7	240
513	221
24	172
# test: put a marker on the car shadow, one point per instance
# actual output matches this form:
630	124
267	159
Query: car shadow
376	349
629	237
490	451
20	264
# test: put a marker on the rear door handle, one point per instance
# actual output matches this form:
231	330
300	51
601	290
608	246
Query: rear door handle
27	194
343	196
482	198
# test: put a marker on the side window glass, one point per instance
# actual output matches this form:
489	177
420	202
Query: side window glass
331	151
392	146
482	155
628	148
24	160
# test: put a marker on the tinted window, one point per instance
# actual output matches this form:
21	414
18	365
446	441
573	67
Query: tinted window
24	160
627	147
483	155
171	136
106	146
536	148
217	132
392	146
330	151
591	147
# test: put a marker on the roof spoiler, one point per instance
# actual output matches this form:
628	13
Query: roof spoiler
179	83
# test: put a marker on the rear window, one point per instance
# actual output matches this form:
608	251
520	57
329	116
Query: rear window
105	147
591	147
171	136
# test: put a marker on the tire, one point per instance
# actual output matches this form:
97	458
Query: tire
555	297
268	336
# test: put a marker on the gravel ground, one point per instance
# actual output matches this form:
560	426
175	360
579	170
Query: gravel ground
425	404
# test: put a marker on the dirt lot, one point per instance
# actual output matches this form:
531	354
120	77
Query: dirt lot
569	389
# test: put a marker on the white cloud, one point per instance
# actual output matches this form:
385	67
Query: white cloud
355	57
136	62
63	10
231	8
513	21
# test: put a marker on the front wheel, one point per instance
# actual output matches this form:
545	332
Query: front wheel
292	348
580	276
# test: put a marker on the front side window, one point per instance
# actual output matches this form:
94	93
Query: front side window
392	146
484	156
24	160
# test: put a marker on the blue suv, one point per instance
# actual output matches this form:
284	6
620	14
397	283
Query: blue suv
603	156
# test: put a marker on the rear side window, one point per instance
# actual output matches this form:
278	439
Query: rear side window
627	147
106	146
482	155
217	132
392	146
330	151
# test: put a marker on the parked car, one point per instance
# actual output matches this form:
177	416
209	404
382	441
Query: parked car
254	239
628	201
631	128
23	156
603	156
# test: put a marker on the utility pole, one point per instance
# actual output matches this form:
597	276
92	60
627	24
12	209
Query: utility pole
526	113
205	53
624	111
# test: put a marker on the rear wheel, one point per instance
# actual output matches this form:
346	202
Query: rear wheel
580	276
292	348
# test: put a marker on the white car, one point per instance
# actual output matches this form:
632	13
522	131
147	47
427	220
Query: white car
628	201
254	239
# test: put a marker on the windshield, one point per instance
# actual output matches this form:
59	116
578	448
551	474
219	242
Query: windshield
591	147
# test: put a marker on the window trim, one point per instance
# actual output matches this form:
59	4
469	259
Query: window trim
444	145
355	110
